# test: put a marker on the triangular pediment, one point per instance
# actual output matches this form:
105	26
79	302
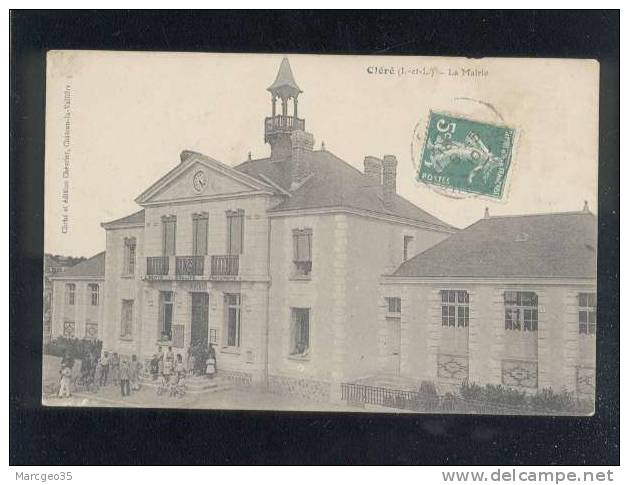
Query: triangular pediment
200	177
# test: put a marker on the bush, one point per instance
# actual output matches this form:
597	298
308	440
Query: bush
549	400
545	400
471	391
490	393
75	348
505	395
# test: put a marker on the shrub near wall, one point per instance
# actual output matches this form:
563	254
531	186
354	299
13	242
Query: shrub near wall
545	401
76	348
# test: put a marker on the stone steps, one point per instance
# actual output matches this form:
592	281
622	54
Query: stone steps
195	384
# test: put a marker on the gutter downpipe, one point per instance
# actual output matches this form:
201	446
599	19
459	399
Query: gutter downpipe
268	305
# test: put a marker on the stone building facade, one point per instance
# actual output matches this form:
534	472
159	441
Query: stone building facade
77	300
509	300
275	261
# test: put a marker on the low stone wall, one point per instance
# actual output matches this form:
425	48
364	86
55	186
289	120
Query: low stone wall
320	391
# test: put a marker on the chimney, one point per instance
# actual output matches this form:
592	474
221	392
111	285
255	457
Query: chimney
586	207
389	175
373	169
301	146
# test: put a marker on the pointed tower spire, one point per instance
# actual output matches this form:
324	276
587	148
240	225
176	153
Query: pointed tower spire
284	85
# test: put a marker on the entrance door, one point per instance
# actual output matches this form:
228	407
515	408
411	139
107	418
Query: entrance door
199	318
393	344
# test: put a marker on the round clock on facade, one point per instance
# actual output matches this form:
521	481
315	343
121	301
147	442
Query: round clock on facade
199	181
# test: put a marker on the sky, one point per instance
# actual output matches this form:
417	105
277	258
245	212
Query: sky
116	122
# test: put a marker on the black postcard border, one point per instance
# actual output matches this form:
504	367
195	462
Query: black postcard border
55	436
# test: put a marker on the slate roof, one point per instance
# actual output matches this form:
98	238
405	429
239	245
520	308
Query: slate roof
135	218
93	267
540	245
333	183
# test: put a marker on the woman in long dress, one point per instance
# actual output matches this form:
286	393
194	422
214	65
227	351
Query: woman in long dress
210	369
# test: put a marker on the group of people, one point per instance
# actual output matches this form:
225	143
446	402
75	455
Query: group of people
100	371
111	369
202	359
108	368
172	371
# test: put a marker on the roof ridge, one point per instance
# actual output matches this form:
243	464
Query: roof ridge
122	219
77	268
537	214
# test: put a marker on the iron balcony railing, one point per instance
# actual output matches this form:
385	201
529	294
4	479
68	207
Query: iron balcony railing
157	265
225	265
281	123
189	265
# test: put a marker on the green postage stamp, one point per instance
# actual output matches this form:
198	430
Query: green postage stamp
466	155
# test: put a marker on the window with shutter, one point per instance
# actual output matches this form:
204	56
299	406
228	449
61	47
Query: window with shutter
169	228
70	293
129	256
302	252
232	322
94	293
126	319
199	234
235	231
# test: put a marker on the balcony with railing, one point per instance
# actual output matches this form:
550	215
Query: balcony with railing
215	267
225	266
157	266
282	124
189	267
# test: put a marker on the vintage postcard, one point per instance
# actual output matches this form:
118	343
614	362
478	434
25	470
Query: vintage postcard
328	233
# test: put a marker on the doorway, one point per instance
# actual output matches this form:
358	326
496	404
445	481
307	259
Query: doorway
392	346
199	318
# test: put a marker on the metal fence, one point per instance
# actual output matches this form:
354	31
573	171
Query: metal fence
432	403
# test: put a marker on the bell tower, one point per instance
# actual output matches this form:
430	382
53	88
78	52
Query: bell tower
279	126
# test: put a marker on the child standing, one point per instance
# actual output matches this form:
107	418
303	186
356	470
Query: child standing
64	388
104	369
97	371
154	367
210	369
124	378
114	368
134	373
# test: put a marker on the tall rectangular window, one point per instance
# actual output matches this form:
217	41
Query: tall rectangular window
235	231
169	235
587	313
165	315
408	243
521	311
394	304
126	319
302	251
455	308
129	255
199	234
300	330
232	322
70	293
94	293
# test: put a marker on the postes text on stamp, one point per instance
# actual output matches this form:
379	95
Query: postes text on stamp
466	156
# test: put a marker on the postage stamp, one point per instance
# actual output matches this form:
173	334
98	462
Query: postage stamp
465	155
